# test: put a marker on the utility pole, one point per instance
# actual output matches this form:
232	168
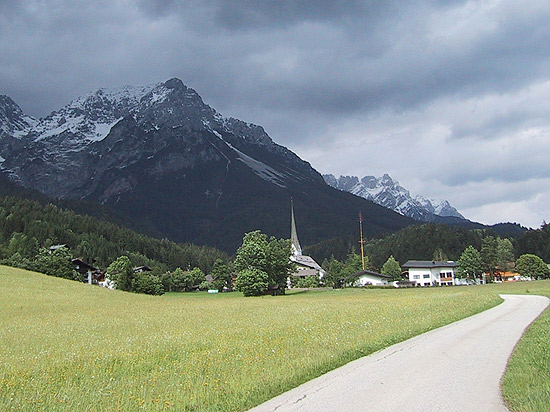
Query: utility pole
361	241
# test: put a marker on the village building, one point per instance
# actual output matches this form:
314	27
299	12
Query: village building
368	277
89	272
431	272
507	276
141	269
305	265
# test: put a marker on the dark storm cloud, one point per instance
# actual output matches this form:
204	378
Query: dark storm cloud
239	15
347	57
402	77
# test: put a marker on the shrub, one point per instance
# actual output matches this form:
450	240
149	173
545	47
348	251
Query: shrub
307	282
148	284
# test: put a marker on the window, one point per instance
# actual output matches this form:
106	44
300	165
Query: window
426	276
416	276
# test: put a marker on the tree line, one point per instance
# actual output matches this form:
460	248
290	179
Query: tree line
431	242
495	258
29	228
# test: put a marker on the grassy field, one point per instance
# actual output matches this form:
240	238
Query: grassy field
526	384
72	347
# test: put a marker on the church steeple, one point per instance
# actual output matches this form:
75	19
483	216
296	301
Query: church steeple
296	248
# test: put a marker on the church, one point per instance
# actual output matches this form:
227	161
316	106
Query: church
306	266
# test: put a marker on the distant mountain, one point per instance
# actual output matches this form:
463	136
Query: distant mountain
389	193
13	122
167	161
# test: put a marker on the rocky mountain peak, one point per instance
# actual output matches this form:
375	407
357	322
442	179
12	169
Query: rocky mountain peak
13	121
345	183
162	157
165	128
387	192
174	83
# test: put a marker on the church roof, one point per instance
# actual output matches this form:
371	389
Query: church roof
306	261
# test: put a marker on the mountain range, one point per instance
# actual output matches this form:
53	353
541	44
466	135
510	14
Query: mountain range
177	168
389	193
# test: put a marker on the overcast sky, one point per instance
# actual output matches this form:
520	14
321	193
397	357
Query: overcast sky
449	97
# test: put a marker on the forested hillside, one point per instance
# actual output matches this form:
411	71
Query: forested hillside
536	242
427	242
27	225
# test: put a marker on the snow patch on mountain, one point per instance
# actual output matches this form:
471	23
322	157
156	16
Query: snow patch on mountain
261	169
74	151
90	117
389	193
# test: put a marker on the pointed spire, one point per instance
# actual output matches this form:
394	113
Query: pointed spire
296	248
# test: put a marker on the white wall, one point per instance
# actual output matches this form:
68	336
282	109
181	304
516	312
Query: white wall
370	280
418	275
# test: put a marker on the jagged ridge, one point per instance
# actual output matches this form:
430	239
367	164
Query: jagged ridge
389	193
161	156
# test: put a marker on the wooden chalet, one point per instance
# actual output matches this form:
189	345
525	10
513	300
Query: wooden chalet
92	274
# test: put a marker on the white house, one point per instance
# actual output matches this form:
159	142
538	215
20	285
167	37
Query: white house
431	272
367	277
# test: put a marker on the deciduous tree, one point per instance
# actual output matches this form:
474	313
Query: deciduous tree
252	281
261	256
353	264
56	263
122	273
470	263
532	266
222	275
186	281
148	284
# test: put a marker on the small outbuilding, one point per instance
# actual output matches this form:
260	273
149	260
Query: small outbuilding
368	277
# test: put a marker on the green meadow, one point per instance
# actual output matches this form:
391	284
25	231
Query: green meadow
68	346
526	384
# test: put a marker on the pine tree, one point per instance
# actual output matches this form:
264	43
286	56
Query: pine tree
489	254
392	269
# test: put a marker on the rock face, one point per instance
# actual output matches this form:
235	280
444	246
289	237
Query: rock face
389	193
163	157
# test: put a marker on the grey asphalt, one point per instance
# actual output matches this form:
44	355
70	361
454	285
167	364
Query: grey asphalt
456	368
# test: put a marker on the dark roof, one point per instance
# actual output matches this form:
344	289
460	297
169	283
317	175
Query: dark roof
429	264
143	269
83	264
370	272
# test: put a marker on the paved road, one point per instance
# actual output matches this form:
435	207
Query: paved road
456	368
